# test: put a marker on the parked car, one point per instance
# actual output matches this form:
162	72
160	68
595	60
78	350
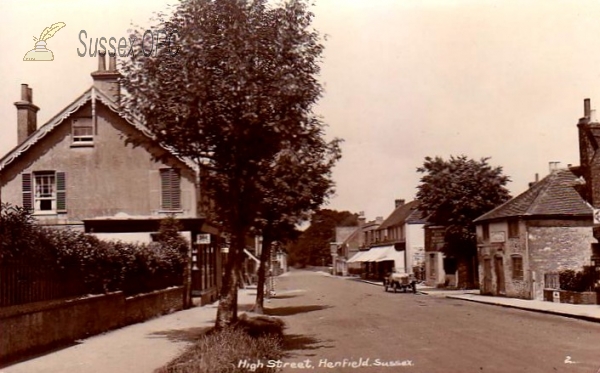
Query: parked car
400	281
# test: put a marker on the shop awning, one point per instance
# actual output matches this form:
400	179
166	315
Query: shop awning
391	254
378	254
373	254
356	257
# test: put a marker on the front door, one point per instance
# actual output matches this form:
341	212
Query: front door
499	267
487	276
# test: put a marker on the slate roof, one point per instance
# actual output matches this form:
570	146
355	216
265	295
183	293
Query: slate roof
408	213
553	196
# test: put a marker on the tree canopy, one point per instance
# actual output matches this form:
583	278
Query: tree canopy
455	192
312	247
237	96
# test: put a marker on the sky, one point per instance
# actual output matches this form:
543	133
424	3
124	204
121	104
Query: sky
403	79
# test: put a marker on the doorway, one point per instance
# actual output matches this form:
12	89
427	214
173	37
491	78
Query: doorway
499	269
487	276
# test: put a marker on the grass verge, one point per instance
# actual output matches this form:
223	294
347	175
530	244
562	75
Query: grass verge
256	340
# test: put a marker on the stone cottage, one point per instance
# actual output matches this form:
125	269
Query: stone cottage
552	226
541	231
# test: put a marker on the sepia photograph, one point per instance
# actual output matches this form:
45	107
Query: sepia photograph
228	186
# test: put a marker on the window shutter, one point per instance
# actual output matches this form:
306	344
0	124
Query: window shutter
165	190
170	189
175	190
61	192
27	191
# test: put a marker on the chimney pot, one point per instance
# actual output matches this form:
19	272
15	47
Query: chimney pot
112	61
24	92
101	61
107	81
587	108
26	114
537	177
398	203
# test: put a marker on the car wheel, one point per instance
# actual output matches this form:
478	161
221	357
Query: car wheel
385	287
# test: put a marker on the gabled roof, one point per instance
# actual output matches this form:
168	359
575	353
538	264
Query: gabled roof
406	213
553	196
92	94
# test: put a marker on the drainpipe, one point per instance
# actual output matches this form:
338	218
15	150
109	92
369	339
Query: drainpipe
530	273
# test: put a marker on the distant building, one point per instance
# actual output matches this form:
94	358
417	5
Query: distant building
398	242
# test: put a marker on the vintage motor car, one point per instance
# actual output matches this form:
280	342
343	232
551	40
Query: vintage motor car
398	280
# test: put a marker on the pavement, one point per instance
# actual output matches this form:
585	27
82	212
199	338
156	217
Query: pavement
588	312
144	347
137	348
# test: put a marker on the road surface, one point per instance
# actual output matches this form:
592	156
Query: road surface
337	325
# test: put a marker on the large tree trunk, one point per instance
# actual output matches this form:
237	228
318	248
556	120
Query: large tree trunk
265	255
227	310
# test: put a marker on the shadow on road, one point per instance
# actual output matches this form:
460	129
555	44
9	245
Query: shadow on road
183	335
285	296
297	342
293	310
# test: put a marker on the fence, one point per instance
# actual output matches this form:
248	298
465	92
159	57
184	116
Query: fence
27	281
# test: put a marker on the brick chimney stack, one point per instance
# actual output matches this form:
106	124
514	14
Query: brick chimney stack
589	157
105	80
398	203
26	114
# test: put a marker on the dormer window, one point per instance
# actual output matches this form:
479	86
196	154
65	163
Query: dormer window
82	131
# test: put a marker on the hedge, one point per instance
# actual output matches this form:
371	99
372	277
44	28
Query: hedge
102	266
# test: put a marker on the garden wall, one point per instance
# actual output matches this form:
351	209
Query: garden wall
36	327
572	297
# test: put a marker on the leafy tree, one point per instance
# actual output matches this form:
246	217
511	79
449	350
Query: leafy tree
312	247
233	88
455	192
298	183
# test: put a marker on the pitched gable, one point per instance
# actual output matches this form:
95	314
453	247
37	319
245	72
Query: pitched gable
91	95
407	213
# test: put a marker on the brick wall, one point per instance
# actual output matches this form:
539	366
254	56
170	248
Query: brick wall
36	327
145	306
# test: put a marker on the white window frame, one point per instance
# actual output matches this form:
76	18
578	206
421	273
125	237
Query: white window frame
38	176
85	139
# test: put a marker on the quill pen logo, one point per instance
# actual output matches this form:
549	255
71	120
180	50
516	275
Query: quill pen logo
40	52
